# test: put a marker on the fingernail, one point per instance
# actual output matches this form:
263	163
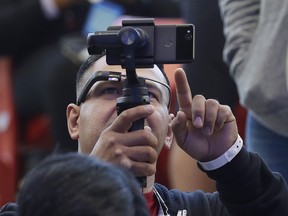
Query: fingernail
207	130
149	108
147	128
198	121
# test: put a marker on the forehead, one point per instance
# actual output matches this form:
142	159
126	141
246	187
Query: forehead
101	65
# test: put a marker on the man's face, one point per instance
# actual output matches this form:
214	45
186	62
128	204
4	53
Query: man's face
98	111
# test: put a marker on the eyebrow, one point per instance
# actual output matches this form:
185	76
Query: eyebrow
151	85
114	76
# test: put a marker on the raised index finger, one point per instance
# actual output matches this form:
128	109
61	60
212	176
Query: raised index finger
183	92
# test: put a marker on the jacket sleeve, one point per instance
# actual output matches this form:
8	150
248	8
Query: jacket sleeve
240	20
246	186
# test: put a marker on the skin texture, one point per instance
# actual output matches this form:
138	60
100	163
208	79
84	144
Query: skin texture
203	128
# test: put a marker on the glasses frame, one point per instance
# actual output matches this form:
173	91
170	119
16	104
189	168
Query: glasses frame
113	76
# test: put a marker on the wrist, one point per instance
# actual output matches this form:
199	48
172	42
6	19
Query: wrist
224	158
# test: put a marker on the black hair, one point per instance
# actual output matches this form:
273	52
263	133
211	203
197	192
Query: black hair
74	185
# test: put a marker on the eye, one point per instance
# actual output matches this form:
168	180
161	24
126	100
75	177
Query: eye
153	96
111	90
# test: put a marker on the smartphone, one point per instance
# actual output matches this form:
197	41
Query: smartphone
174	43
164	44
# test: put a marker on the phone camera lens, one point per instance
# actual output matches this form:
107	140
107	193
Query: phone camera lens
188	37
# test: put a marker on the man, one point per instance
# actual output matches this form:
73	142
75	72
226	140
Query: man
206	130
203	128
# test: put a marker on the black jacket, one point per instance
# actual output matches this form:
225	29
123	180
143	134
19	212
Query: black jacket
246	187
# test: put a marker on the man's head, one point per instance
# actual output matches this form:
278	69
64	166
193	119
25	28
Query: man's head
73	184
97	111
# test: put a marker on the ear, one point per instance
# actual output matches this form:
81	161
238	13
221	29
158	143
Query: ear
72	115
170	137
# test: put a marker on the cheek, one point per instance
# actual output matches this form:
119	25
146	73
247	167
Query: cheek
93	120
159	124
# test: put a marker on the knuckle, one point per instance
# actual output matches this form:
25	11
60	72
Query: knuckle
125	115
151	154
198	97
111	141
149	169
212	102
226	110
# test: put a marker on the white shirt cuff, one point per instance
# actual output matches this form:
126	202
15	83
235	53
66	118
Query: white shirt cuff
225	158
50	9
